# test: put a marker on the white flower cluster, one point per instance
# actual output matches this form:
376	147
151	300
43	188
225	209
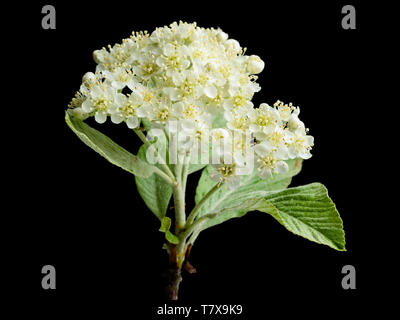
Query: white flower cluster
194	77
268	135
177	72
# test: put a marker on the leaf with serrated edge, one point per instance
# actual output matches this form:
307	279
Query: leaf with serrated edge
306	211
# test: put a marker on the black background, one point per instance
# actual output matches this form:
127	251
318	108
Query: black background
72	209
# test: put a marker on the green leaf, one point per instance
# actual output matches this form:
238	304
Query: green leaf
155	192
251	186
171	237
308	212
108	148
165	226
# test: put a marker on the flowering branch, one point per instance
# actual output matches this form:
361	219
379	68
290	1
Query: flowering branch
195	86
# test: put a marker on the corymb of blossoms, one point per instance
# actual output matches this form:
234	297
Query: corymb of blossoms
187	92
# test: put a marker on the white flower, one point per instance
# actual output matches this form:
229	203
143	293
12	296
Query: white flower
294	123
99	100
255	64
237	120
161	111
264	118
120	78
276	137
229	170
126	109
300	144
239	100
219	136
269	160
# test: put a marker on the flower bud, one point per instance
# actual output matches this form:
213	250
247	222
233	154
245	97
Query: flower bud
255	64
88	78
222	36
233	44
98	56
